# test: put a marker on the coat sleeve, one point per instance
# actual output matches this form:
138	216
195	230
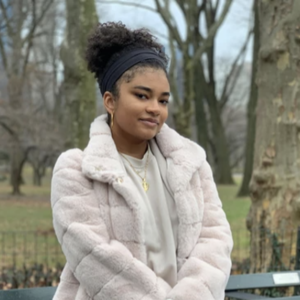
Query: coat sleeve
205	273
104	267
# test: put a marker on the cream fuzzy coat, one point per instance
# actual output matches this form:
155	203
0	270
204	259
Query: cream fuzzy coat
98	222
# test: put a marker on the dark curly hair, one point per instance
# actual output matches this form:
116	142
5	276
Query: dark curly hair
110	40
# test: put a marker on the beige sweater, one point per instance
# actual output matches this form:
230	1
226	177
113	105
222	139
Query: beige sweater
99	223
159	213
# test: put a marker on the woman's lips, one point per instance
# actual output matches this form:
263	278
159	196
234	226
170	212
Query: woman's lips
149	123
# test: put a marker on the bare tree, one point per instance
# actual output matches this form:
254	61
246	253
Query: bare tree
20	27
275	190
200	89
79	87
47	143
251	111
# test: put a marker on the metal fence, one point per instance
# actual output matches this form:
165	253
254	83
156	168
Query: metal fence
41	247
29	247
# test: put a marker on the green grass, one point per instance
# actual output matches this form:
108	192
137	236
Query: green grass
26	231
27	215
32	212
236	210
29	212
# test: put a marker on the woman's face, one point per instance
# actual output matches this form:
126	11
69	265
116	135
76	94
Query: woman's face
142	106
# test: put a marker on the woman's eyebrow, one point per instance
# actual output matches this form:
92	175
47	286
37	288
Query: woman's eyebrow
140	87
147	89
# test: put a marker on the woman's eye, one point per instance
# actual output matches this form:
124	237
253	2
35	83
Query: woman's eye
141	96
164	102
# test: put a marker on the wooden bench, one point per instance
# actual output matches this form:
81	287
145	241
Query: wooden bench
234	289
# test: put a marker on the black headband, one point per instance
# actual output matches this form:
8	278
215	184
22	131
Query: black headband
124	63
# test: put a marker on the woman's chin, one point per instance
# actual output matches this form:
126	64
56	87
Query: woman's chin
147	136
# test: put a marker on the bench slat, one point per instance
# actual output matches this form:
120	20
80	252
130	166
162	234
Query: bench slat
256	281
245	296
235	283
45	293
240	296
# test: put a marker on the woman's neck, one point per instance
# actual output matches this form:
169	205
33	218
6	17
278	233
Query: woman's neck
126	146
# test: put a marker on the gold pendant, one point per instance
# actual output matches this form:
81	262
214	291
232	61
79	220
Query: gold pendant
145	185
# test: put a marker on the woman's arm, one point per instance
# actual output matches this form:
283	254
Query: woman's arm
205	273
104	267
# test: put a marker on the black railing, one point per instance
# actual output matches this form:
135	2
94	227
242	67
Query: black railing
29	247
41	247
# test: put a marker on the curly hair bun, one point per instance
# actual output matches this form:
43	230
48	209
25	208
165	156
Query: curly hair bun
110	40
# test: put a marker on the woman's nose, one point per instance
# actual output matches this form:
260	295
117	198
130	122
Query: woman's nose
153	107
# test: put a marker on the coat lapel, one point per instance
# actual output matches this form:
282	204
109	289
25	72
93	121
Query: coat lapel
101	162
184	159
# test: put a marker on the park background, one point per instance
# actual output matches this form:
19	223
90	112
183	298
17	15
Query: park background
234	75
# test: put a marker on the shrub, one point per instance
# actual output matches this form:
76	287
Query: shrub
36	275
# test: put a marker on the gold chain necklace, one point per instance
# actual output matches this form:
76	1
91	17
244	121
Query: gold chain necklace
145	184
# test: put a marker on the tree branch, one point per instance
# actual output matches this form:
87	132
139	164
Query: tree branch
166	16
217	5
211	33
29	37
2	27
237	160
3	8
3	55
181	5
36	21
201	8
172	72
225	92
7	128
159	9
223	102
130	4
173	66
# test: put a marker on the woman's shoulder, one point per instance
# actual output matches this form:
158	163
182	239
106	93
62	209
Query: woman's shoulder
171	141
193	150
198	149
70	159
68	179
67	173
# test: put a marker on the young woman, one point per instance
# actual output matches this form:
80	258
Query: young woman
137	212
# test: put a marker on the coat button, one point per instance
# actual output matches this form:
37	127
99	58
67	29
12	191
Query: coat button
120	180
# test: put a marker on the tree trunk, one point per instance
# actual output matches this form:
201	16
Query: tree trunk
79	83
222	164
193	47
274	187
251	114
17	160
201	119
220	151
37	177
183	114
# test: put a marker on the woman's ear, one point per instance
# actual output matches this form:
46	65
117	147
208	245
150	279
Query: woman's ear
109	102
